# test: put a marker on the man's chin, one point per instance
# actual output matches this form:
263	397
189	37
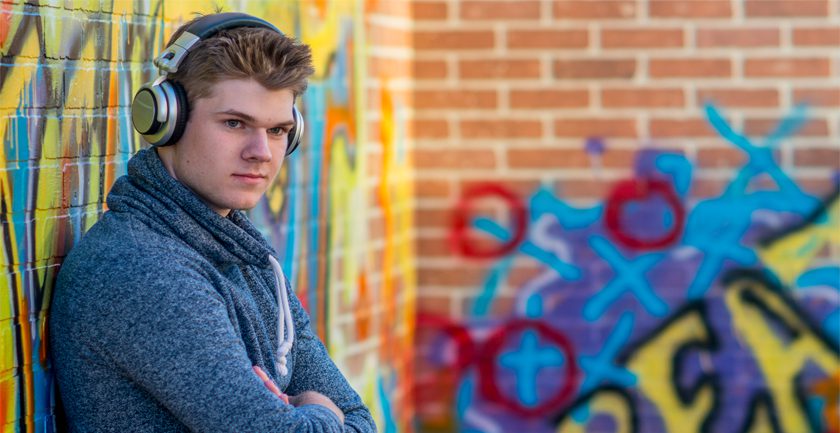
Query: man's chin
246	206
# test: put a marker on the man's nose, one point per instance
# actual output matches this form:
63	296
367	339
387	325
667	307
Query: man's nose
258	146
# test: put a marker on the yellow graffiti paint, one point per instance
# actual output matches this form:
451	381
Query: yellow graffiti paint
605	403
790	256
653	365
779	360
762	420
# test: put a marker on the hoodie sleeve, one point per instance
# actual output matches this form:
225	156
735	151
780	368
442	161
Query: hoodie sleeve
314	370
170	333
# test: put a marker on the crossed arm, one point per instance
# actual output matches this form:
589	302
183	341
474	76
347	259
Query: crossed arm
196	366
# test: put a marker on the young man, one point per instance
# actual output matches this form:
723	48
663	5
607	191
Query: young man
172	313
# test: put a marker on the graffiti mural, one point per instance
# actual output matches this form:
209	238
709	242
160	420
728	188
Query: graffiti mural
66	138
651	311
64	96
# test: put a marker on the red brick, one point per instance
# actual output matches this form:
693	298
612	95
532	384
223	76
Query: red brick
503	305
588	127
433	188
452	159
817	157
453	40
542	158
583	68
690	9
786	8
720	157
519	187
642	97
433	218
497	9
547	38
464	278
388	36
781	67
429	10
429	69
429	128
763	127
438	246
431	304
823	36
684	68
641	38
451	98
588	9
582	188
549	98
819	184
388	67
376	225
702	188
741	37
499	68
521	274
826	97
739	97
682	127
501	128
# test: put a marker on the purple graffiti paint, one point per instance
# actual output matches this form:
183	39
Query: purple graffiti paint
595	146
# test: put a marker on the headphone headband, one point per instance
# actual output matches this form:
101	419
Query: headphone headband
203	28
209	25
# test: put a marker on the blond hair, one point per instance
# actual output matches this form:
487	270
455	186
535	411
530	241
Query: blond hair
274	60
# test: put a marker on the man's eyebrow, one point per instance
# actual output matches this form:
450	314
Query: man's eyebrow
249	118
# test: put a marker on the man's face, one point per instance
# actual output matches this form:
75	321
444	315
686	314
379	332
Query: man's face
233	145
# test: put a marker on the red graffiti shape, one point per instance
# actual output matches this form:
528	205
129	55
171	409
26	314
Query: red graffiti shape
460	241
464	345
492	351
630	190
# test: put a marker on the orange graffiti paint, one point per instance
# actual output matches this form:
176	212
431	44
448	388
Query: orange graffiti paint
363	310
829	388
5	23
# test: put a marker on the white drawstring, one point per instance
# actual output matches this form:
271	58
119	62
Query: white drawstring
285	325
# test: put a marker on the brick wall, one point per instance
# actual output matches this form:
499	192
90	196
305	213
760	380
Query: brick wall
597	182
339	213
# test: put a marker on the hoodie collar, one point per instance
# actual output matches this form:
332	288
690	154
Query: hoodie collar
151	194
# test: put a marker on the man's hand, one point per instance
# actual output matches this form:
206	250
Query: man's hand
313	397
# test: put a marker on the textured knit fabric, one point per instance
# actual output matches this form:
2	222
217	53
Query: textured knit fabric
163	308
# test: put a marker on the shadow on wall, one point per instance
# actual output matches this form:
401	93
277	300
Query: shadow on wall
649	312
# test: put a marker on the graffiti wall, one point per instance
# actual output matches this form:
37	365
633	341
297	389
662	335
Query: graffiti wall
69	71
650	310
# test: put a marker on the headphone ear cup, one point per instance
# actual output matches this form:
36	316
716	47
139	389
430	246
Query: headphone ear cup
296	134
182	113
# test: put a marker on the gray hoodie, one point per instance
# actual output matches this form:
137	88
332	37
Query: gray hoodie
164	307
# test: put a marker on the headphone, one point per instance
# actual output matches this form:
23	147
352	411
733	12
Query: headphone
160	108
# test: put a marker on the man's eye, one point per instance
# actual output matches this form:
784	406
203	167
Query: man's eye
232	123
277	131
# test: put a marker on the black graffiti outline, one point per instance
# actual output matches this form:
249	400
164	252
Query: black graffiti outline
762	279
711	345
686	396
810	219
761	399
584	400
759	278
